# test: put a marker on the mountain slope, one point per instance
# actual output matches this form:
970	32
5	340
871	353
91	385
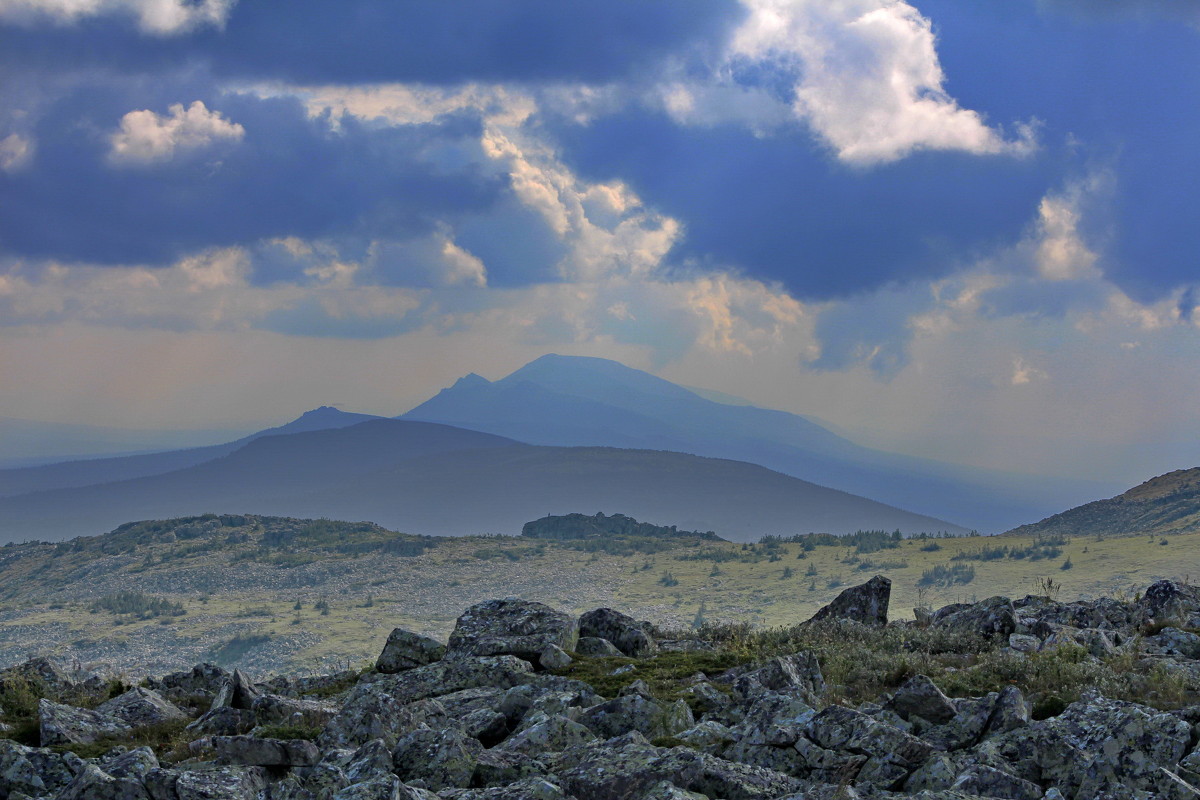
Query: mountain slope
436	479
106	470
565	400
1166	504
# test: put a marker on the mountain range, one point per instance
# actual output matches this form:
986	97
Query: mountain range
572	400
429	478
599	433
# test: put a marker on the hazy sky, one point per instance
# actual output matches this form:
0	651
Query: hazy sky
964	230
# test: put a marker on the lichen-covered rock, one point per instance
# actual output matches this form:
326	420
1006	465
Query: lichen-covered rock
271	709
891	753
525	789
92	783
1173	642
499	767
866	603
407	650
61	724
252	751
1096	744
221	783
236	691
709	736
665	790
596	647
440	759
446	677
554	657
991	782
34	771
989	618
705	698
141	707
799	672
199	684
550	735
383	787
624	632
511	626
371	713
223	721
920	697
637	713
1169	601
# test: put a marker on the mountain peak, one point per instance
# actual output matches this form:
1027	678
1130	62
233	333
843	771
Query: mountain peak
470	381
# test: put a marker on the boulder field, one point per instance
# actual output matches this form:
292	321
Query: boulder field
499	713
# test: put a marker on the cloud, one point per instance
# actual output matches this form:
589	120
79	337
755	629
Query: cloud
156	17
867	78
147	138
16	152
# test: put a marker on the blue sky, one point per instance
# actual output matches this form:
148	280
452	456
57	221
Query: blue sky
961	230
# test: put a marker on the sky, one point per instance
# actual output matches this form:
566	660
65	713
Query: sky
966	231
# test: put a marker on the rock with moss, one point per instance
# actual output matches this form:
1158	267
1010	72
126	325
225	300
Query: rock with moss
799	673
637	713
625	633
551	734
596	647
439	759
991	618
866	604
35	771
65	725
513	627
407	650
141	707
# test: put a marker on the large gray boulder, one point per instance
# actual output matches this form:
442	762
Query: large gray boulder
624	632
407	650
920	697
549	735
866	603
798	673
637	713
994	617
441	759
251	751
62	724
891	753
141	707
94	783
34	771
221	783
1171	602
511	626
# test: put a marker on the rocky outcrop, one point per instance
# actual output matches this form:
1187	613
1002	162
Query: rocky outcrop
511	626
866	604
624	632
468	726
406	650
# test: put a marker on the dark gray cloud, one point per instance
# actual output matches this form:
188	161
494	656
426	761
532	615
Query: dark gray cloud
289	175
428	41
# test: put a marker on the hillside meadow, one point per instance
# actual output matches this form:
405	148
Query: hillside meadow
270	594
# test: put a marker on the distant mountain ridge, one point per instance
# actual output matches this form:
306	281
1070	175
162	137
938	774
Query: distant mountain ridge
429	478
87	472
577	401
1165	504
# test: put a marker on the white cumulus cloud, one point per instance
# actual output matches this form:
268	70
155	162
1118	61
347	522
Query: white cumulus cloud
147	138
157	17
868	78
15	152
